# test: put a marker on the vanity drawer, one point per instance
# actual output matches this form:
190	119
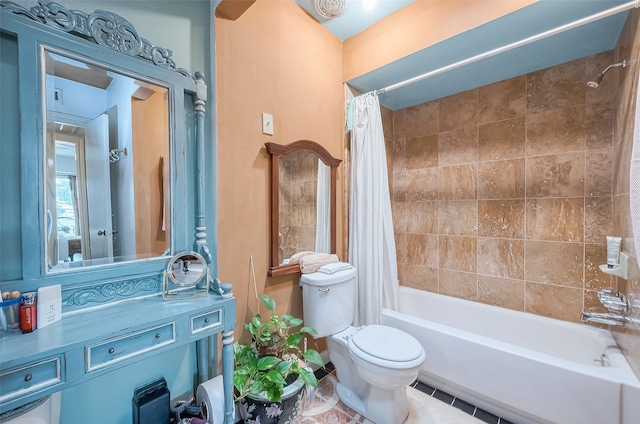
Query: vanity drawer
21	381
206	321
119	349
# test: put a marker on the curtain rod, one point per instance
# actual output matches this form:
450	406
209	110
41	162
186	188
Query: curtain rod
592	18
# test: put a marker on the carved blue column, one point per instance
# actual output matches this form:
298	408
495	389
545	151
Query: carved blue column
200	244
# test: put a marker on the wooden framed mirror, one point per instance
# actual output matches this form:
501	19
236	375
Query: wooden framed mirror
303	202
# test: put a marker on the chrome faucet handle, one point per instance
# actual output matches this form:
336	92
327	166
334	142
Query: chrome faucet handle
607	293
616	305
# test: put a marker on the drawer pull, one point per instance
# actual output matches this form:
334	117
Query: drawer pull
158	335
28	377
206	320
111	350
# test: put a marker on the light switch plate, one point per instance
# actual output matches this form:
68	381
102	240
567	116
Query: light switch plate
267	124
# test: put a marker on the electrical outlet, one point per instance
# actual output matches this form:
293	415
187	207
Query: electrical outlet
267	124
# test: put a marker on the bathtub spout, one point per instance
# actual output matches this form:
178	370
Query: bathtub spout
602	318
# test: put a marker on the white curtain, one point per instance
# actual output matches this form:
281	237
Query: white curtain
372	247
323	208
634	182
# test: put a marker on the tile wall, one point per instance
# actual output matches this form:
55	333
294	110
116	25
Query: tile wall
503	194
628	47
298	185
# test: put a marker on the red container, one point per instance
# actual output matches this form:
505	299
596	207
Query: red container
28	313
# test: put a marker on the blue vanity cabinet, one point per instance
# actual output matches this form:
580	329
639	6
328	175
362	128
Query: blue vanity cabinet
86	345
113	312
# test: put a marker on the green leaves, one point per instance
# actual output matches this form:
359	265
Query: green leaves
268	302
266	376
314	357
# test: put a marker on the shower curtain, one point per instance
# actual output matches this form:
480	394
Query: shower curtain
634	182
372	248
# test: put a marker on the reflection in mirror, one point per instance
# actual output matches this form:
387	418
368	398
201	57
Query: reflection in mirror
304	205
187	269
303	184
186	277
106	176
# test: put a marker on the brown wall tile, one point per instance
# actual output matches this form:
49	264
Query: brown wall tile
423	218
501	257
458	182
556	87
501	180
560	175
502	100
594	256
399	186
521	175
457	147
555	263
501	292
553	301
597	219
555	219
421	277
421	184
459	111
416	121
399	156
501	140
598	125
458	253
458	218
599	176
556	131
458	284
422	249
422	152
501	218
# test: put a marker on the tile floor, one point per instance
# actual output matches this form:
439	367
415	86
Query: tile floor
427	405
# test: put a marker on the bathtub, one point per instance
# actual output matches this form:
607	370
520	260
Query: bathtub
522	367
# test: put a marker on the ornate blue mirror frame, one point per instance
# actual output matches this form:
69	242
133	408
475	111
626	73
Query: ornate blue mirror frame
109	41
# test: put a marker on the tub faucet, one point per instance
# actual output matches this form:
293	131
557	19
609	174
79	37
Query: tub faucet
602	318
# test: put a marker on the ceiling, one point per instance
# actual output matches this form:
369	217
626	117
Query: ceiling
542	16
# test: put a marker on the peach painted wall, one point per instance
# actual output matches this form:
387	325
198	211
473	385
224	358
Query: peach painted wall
628	47
275	59
417	26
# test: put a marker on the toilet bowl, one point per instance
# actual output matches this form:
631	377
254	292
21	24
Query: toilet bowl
374	363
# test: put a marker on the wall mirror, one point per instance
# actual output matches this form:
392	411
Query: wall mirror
107	147
303	202
106	176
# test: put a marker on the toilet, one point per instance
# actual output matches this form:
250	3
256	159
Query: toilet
374	363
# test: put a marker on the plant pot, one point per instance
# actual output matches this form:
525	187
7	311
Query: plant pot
258	409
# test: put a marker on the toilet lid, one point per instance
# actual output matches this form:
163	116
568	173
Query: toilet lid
387	343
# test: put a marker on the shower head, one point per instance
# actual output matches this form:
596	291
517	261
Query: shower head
595	81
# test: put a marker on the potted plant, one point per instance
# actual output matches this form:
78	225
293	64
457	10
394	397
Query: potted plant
271	372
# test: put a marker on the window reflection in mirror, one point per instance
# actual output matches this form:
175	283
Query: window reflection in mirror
106	172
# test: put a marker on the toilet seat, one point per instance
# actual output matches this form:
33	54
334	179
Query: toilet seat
386	347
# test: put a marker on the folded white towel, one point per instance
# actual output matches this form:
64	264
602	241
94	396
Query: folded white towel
334	267
311	263
295	258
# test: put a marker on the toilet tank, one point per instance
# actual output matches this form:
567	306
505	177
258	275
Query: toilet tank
329	300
